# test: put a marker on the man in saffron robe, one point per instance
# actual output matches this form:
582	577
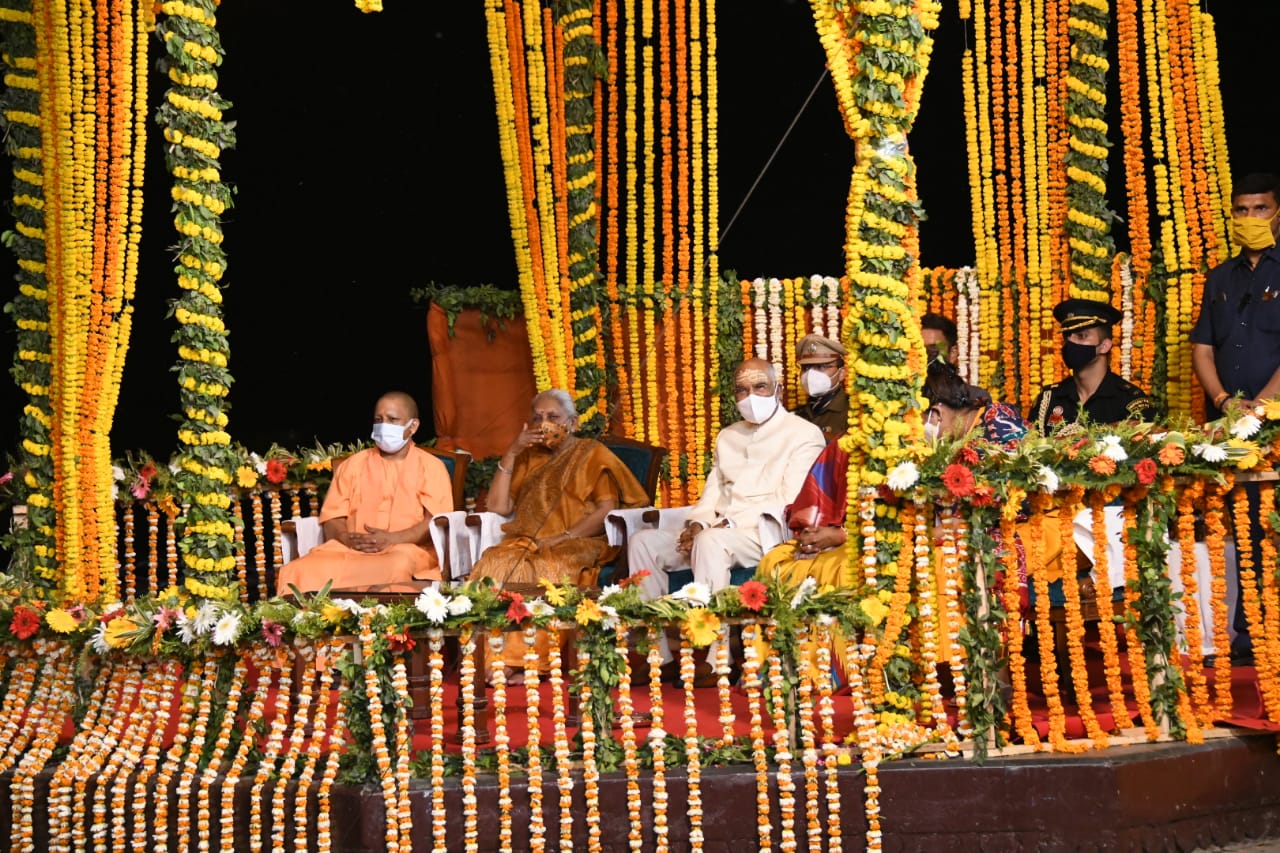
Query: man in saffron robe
558	488
377	513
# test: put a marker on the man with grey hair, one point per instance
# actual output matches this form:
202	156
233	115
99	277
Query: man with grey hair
760	463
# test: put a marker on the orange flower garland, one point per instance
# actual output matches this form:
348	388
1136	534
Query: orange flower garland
782	750
1215	539
1193	674
1106	621
630	761
1075	627
1267	645
501	740
691	747
759	756
1136	651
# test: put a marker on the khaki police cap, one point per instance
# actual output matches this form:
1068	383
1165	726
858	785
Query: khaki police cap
815	349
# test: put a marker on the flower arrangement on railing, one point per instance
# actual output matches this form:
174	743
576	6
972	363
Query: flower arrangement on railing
991	484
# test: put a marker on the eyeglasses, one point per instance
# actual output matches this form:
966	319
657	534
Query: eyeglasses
826	365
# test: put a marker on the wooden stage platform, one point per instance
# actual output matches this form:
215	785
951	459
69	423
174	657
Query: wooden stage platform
1164	796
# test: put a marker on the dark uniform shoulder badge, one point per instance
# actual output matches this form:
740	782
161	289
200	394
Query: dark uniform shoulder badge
1139	406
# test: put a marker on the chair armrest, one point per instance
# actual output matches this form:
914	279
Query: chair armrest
668	518
484	529
298	536
619	524
773	527
452	545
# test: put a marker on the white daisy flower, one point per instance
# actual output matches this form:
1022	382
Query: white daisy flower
259	464
1047	479
186	628
610	589
807	586
433	605
608	617
1210	452
350	605
100	644
903	476
539	607
1113	446
697	594
206	617
117	473
460	604
1246	426
227	630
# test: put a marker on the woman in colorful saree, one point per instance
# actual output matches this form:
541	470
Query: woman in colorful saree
558	488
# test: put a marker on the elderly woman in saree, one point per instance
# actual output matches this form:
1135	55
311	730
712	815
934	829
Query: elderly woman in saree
558	488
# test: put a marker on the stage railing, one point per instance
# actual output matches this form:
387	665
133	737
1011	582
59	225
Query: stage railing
148	551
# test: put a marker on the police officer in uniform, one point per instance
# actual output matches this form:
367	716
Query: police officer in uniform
1092	392
822	375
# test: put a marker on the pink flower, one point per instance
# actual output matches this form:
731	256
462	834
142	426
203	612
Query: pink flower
165	617
7	478
140	489
272	632
1146	471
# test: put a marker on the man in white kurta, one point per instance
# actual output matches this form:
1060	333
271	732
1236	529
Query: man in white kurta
759	464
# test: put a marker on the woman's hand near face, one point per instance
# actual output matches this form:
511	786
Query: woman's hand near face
527	437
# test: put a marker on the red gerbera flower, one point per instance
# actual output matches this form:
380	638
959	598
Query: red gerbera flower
517	612
400	641
753	595
25	622
1146	471
983	496
969	456
958	479
276	471
146	472
634	578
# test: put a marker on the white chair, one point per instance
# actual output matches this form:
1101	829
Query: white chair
300	535
621	524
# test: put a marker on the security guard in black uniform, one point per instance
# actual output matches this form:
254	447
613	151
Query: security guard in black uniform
1104	397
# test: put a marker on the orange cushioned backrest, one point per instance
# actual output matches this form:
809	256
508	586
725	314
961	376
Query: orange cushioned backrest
480	388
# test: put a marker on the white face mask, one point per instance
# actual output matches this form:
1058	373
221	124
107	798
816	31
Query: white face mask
756	409
932	431
816	382
389	437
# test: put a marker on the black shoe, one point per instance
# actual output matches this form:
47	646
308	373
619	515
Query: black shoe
1244	657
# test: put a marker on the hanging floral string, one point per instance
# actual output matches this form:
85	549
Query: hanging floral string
192	118
20	114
